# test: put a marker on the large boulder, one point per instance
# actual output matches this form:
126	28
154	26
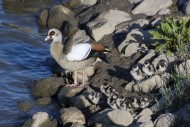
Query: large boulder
150	84
66	93
40	119
42	19
186	8
105	23
134	41
151	7
72	115
58	14
47	87
102	119
143	119
165	120
120	117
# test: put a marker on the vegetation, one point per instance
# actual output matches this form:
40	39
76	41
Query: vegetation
180	93
173	36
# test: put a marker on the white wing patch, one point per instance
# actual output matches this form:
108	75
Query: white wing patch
79	52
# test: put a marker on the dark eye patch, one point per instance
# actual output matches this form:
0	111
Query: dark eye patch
52	33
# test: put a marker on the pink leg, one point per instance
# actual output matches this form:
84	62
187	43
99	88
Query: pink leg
83	81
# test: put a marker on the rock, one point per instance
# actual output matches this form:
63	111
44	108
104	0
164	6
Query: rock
184	114
165	120
80	101
129	86
151	7
102	119
132	42
135	1
184	68
152	83
120	117
77	125
146	124
181	3
144	118
148	56
47	87
164	11
105	23
65	93
43	101
140	24
156	22
42	19
25	106
72	115
131	49
186	8
88	3
40	119
58	14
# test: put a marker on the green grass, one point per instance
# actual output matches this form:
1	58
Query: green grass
180	93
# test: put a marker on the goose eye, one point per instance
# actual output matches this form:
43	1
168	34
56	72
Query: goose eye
52	33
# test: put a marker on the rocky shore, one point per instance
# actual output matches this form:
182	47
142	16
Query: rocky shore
123	26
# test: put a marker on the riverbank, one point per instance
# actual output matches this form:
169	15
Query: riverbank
122	26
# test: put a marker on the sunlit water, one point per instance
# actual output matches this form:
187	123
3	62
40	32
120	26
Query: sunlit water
23	55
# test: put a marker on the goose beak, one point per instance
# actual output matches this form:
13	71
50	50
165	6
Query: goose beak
47	38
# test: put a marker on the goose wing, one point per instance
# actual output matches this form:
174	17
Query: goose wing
79	52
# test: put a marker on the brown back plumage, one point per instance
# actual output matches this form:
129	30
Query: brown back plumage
99	48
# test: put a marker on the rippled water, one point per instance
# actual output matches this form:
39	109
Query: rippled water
23	55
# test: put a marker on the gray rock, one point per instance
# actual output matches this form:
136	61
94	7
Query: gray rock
58	14
132	41
165	120
184	114
25	106
87	3
146	124
47	87
151	7
181	3
152	83
120	117
135	1
66	92
77	125
156	22
105	23
42	19
80	101
164	11
140	24
186	8
131	49
184	68
43	101
40	119
102	119
72	115
148	56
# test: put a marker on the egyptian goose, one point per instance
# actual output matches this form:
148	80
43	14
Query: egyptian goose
74	55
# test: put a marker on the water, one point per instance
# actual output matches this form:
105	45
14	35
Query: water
23	55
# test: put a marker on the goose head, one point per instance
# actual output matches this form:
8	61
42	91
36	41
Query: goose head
55	35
